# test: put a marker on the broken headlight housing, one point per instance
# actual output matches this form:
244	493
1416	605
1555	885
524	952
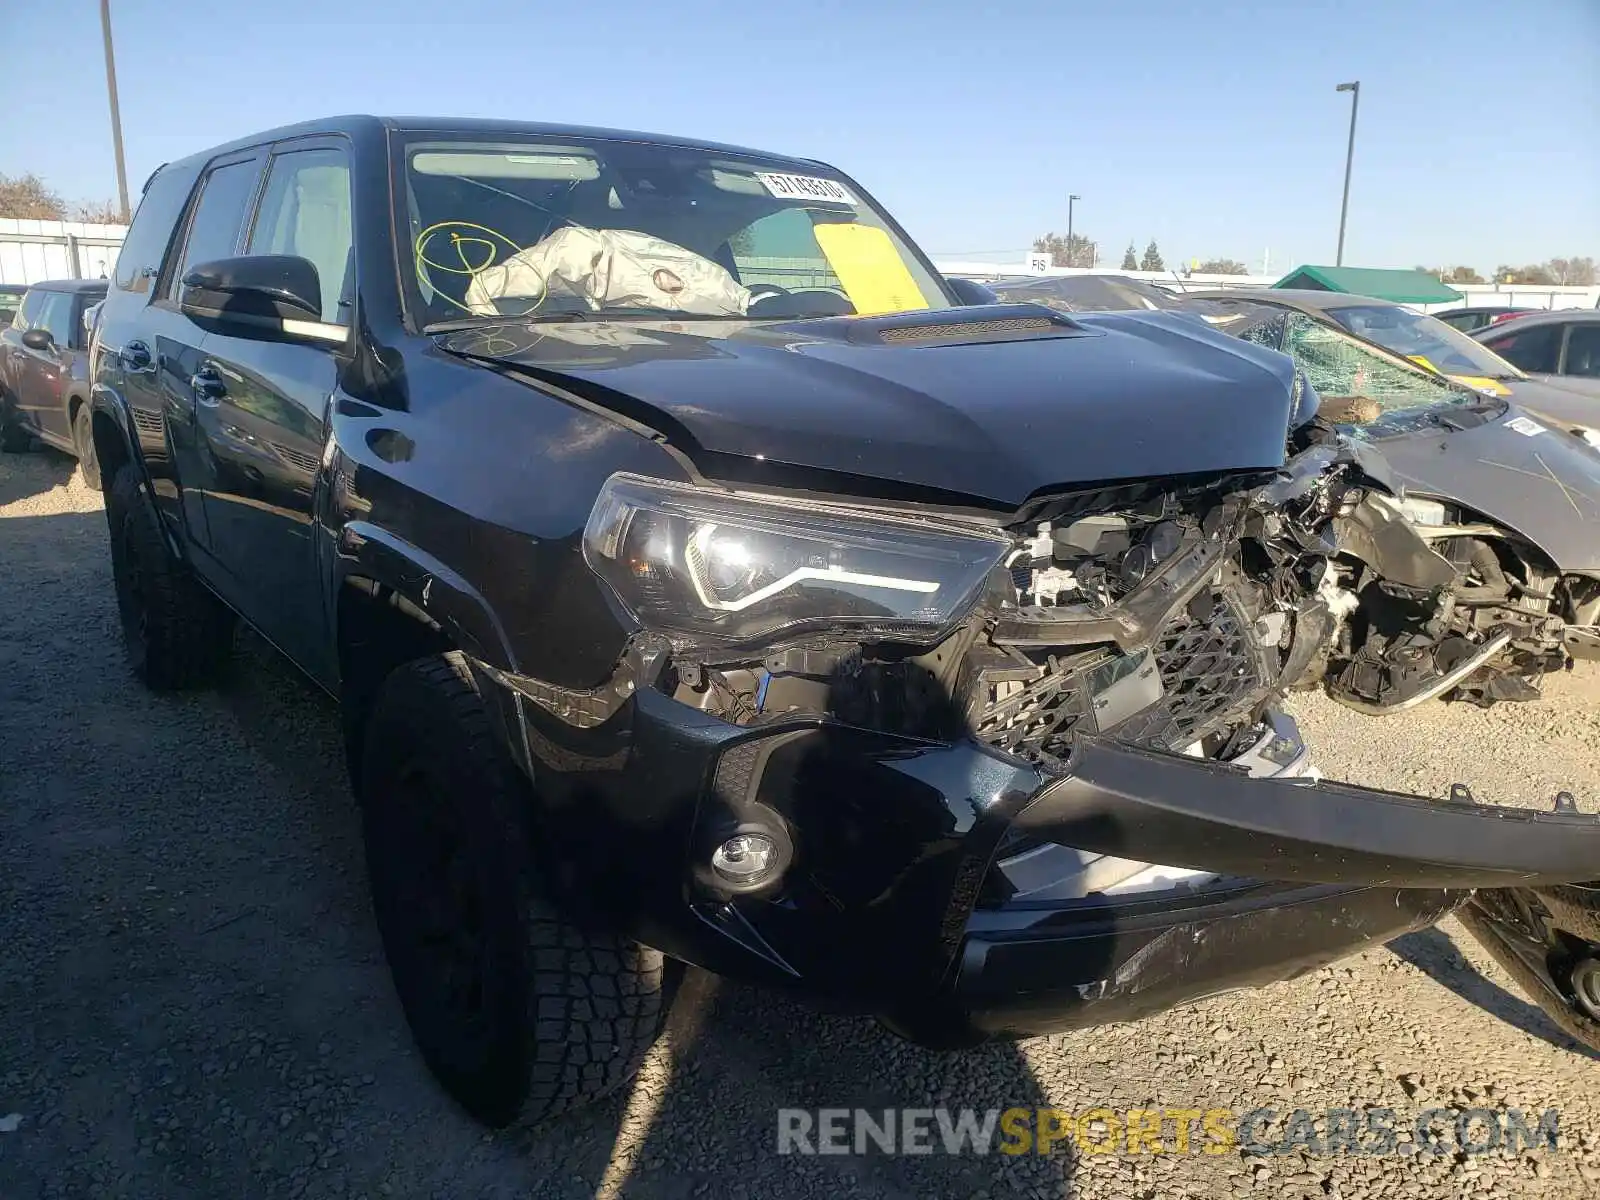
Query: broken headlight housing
711	566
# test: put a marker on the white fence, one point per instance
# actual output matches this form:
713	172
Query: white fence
31	251
1474	295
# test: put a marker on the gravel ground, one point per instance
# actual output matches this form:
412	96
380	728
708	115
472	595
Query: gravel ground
193	1001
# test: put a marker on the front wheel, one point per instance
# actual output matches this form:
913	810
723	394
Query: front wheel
519	1014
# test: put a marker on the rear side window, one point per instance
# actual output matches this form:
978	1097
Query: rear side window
1532	348
218	218
139	260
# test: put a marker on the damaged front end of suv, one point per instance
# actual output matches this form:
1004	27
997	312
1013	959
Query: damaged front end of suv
995	774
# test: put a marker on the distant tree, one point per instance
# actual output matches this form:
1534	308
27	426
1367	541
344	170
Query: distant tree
28	198
1580	272
1080	252
1462	275
1152	259
1436	272
1532	273
1222	266
98	212
1130	258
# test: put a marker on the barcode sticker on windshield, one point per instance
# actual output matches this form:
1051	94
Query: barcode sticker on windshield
805	187
1524	426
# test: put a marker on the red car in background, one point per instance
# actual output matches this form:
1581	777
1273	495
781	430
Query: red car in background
1470	320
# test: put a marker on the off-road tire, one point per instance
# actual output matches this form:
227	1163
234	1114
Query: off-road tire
522	1015
177	634
83	444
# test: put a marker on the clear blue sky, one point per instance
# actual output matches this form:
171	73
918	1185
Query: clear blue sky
1211	126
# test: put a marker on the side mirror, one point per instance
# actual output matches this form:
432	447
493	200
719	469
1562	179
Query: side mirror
38	339
970	291
277	293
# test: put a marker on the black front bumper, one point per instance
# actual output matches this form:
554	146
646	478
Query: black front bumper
893	904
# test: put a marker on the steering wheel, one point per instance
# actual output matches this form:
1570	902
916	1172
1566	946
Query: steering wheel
759	291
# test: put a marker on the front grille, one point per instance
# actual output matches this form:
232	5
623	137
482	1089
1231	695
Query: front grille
1208	674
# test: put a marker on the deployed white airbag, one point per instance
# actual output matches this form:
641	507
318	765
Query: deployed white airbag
609	268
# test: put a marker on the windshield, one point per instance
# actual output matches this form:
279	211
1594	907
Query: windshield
1369	393
1424	339
562	230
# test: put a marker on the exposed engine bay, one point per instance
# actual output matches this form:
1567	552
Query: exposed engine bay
1451	606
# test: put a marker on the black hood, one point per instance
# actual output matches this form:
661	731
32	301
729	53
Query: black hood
998	403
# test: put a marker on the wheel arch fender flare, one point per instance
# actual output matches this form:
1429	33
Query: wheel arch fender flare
374	559
108	408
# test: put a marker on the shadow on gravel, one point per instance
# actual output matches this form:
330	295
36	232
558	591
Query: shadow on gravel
1433	953
707	1123
29	473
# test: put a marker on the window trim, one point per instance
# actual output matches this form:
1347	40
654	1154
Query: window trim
167	282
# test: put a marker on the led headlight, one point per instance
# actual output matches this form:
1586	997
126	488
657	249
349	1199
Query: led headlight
737	569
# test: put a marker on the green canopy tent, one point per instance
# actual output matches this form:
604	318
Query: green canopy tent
1402	287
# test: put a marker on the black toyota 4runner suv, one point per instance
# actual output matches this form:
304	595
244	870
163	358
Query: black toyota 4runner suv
704	579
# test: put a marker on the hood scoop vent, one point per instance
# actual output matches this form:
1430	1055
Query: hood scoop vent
969	326
956	331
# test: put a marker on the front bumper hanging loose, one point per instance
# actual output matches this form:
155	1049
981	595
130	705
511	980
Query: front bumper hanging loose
895	898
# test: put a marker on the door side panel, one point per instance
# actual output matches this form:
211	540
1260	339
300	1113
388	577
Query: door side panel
262	429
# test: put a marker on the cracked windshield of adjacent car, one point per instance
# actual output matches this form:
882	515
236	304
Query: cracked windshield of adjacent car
560	231
1360	386
1425	340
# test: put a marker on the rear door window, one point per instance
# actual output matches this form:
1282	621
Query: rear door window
146	245
1534	348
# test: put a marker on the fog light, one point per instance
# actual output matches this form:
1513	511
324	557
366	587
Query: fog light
745	858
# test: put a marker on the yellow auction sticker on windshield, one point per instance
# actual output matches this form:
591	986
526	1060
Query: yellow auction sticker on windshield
874	276
1483	384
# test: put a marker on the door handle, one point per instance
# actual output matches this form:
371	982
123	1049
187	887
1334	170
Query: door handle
208	386
136	356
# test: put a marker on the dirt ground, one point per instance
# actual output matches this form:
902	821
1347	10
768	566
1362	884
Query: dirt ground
193	1001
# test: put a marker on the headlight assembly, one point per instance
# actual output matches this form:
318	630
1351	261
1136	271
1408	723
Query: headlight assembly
711	566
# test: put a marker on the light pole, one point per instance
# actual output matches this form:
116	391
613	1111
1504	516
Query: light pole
116	115
1349	158
1071	200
